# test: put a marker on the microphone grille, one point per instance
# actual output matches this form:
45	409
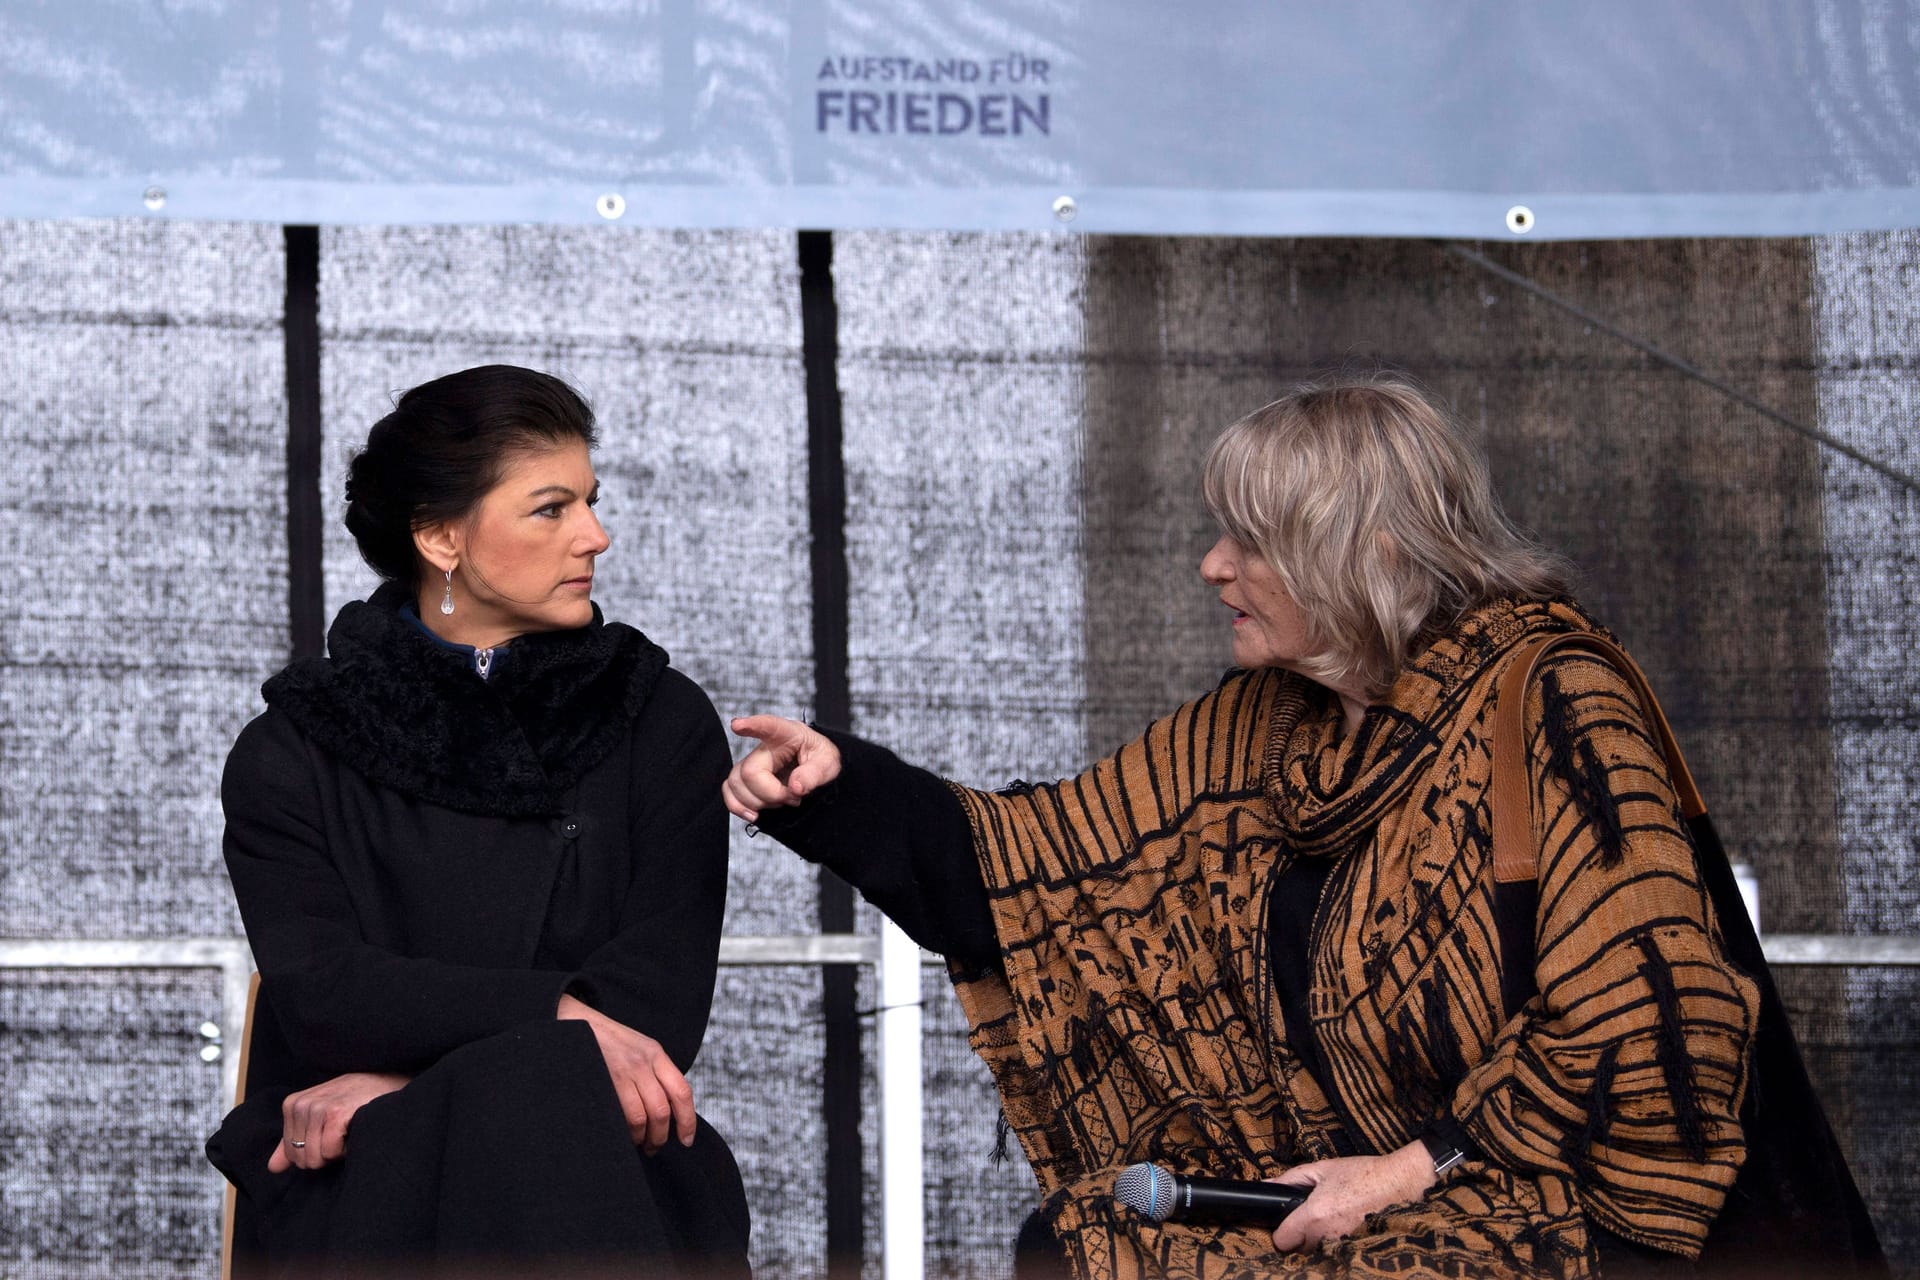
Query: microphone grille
1146	1189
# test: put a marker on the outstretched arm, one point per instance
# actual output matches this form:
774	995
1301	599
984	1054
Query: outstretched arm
791	762
895	832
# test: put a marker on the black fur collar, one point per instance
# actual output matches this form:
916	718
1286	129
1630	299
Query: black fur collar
391	704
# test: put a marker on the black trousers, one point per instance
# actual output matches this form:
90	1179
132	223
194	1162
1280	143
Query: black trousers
509	1156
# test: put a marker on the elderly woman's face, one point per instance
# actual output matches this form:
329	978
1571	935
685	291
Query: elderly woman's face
528	550
1268	628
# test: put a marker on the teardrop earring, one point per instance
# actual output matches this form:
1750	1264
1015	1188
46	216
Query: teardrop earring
446	601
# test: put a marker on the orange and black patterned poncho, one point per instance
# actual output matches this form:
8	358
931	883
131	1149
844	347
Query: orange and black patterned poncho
1135	1018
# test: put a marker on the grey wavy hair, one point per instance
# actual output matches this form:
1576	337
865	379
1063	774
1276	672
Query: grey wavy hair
1376	513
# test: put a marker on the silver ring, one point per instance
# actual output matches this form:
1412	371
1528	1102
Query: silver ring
296	1145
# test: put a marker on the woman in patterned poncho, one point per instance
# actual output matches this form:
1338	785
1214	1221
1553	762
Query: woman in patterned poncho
1265	941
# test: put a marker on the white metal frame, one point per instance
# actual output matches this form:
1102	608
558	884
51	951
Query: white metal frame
899	962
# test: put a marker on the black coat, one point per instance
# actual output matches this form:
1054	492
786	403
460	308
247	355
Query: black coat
425	862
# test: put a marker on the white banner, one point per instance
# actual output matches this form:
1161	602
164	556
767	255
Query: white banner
1389	117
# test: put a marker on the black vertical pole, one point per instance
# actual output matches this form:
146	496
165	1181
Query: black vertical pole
306	592
827	523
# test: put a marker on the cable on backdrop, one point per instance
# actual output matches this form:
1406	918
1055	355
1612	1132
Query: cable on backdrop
1675	363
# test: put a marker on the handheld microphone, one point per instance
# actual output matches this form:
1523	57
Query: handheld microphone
1166	1196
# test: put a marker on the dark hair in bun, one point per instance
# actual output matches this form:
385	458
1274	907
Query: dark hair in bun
443	447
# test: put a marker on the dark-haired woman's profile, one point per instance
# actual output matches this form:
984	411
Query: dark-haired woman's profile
481	859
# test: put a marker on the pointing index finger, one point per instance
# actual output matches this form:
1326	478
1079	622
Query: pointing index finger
765	728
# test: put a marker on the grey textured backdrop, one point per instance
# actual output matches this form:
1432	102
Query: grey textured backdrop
1024	417
143	574
960	375
1867	331
142	393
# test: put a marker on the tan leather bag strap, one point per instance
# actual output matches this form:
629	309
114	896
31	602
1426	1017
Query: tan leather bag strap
1514	856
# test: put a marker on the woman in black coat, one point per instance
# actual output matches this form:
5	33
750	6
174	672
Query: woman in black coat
481	858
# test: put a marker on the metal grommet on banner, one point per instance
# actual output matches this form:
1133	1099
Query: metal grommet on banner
611	205
1519	219
1065	209
155	198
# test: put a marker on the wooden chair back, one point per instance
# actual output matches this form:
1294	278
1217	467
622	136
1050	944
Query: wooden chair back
239	1096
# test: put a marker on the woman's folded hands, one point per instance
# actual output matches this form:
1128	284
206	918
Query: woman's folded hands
654	1095
314	1121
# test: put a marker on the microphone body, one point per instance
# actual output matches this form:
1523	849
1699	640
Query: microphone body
1165	1196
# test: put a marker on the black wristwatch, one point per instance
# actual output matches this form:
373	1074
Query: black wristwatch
1445	1152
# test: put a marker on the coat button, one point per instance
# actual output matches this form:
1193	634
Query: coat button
570	828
